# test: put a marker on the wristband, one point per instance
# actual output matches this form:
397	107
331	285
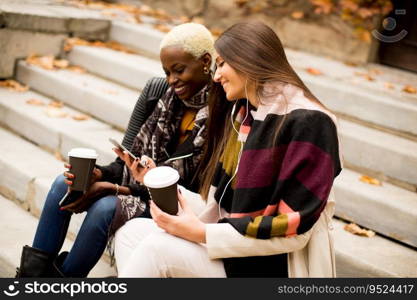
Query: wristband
117	189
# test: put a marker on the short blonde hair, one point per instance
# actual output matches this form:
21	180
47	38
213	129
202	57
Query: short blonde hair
194	38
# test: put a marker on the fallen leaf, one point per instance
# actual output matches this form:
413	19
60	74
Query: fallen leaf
198	20
389	85
410	89
54	112
80	117
13	85
314	71
365	75
59	156
36	102
108	13
350	63
71	42
216	32
184	19
56	104
370	180
297	15
355	229
61	63
162	27
46	62
76	69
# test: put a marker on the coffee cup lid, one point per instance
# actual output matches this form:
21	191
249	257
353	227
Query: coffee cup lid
160	177
83	153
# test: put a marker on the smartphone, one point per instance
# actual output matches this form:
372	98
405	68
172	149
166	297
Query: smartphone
123	148
70	197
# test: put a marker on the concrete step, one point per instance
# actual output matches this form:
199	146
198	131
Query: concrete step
347	90
129	69
90	94
57	134
386	209
385	153
141	37
358	256
19	228
382	109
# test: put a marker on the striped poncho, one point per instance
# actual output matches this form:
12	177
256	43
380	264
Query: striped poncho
280	189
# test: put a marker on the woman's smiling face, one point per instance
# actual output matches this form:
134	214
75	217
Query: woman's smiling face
233	83
184	72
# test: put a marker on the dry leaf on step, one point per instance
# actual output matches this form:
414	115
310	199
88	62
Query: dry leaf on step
46	62
80	117
76	69
162	27
370	180
314	71
350	63
61	63
56	104
59	156
365	75
355	229
410	89
54	112
297	15
13	85
389	85
36	102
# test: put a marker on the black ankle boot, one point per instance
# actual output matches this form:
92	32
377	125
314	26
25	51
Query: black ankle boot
34	263
55	271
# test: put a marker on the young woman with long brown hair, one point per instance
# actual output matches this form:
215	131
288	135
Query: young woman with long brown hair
269	168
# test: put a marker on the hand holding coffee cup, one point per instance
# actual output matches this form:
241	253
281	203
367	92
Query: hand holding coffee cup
162	185
82	162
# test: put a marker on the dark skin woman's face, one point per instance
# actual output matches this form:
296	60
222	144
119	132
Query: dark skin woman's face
184	72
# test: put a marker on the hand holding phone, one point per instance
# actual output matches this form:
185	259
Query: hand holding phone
123	149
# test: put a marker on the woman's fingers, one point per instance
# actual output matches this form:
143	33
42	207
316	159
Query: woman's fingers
160	217
69	175
183	202
68	166
147	162
67	182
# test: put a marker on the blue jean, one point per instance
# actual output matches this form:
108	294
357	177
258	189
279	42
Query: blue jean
91	239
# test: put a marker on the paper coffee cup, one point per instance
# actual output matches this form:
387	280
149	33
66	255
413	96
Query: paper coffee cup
162	185
82	161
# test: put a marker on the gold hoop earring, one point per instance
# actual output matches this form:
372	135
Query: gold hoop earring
206	70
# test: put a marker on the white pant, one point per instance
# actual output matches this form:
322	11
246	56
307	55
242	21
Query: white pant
142	249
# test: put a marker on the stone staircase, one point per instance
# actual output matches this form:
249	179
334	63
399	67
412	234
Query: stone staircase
377	126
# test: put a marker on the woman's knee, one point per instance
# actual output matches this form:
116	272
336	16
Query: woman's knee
57	191
103	209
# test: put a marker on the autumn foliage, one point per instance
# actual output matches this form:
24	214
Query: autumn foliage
362	14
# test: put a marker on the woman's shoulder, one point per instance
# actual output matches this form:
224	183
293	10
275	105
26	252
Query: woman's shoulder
156	84
311	118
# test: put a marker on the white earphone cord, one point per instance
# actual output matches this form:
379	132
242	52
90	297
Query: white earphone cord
241	145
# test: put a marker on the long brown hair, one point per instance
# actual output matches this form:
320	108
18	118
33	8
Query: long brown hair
253	49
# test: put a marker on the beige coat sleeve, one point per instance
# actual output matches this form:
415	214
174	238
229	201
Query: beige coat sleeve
222	241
